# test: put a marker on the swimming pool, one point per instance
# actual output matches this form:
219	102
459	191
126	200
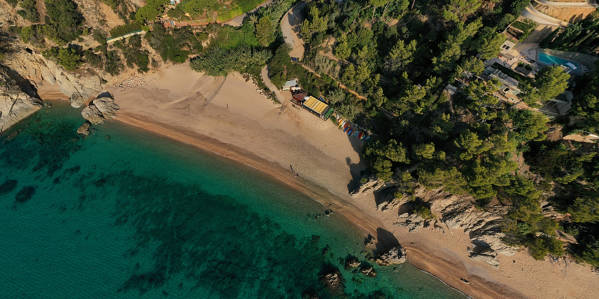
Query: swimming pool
548	59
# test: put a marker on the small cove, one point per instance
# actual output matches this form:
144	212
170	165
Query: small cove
125	213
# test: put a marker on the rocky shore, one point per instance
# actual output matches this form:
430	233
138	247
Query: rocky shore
450	212
18	99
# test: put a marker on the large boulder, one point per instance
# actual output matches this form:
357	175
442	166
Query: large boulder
333	281
370	184
394	256
99	110
84	129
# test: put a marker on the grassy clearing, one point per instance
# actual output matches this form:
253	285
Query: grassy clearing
207	9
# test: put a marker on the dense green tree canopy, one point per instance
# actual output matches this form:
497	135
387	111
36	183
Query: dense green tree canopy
63	20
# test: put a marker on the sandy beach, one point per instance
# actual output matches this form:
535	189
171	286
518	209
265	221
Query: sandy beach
231	118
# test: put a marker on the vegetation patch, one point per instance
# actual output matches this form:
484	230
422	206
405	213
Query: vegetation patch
213	10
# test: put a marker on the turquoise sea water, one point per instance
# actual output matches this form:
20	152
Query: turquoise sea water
126	214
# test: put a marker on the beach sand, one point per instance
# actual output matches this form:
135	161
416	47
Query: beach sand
231	118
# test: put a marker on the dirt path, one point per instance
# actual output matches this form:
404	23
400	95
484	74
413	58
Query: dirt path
532	13
289	27
41	10
341	85
271	86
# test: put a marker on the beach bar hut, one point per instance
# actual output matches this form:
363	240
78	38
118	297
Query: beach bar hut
316	106
290	84
298	97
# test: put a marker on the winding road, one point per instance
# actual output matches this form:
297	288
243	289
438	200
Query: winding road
534	14
538	17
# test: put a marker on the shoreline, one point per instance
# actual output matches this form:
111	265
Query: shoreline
246	158
416	257
230	117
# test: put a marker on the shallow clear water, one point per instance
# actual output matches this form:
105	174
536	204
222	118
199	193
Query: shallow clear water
124	213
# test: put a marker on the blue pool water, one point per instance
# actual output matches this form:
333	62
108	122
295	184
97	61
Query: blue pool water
127	214
554	60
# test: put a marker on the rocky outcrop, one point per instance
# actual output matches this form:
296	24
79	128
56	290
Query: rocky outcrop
484	227
17	98
367	270
78	86
333	281
384	193
394	256
99	110
372	184
83	130
459	212
352	262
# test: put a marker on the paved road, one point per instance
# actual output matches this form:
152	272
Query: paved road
567	4
109	41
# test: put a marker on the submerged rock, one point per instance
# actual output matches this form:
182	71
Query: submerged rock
25	194
8	186
367	270
352	262
395	256
370	242
84	129
333	281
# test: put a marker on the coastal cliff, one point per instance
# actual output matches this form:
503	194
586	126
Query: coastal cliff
18	99
43	73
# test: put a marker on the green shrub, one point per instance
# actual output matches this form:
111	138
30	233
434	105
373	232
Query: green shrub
218	61
63	20
69	57
150	11
93	59
29	10
539	247
32	34
124	29
113	64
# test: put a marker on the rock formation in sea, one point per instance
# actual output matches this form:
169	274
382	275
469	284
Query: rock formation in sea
394	256
367	270
333	281
450	212
100	109
351	262
84	129
18	99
